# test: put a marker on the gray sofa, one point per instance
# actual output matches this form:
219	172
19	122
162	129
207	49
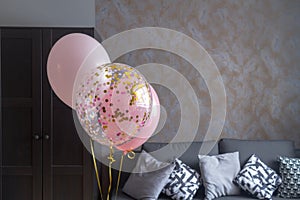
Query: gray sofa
267	150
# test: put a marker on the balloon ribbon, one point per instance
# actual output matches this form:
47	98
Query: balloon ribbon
119	175
131	157
96	168
111	161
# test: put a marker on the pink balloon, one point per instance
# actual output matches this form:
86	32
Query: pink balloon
121	100
145	132
65	59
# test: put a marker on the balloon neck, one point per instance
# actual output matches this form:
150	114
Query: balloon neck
130	154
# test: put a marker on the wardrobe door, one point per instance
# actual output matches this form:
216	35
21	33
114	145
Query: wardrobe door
21	114
67	165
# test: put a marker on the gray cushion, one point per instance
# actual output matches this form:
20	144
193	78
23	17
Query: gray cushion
218	172
148	177
128	166
186	152
267	150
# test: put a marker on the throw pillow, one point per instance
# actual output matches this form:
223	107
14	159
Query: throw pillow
183	182
289	169
148	177
218	172
258	179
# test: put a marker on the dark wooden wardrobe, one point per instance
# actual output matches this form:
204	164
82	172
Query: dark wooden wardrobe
41	155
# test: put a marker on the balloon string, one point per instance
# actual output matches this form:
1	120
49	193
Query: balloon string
119	175
96	168
111	160
131	156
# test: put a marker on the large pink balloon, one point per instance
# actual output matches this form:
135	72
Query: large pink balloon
65	59
145	132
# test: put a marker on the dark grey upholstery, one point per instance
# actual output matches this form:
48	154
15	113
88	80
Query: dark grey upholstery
297	152
172	151
267	151
123	196
189	157
245	198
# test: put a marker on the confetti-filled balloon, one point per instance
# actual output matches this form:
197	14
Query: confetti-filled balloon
145	132
113	103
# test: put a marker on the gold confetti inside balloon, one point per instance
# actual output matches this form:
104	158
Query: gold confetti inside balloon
113	103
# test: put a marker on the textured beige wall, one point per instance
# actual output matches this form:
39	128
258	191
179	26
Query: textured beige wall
255	44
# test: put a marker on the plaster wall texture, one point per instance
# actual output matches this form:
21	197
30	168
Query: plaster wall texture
255	45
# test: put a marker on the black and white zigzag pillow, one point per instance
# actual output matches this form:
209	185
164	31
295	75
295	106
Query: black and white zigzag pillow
258	179
183	182
289	170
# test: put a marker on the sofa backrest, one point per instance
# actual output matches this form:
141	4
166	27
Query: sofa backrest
267	150
187	152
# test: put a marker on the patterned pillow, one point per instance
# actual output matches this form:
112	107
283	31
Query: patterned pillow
183	182
289	170
258	179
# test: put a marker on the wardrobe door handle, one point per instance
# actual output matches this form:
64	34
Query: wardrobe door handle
47	137
36	137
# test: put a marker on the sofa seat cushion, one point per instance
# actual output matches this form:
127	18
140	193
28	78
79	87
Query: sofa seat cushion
123	196
267	150
246	198
235	198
